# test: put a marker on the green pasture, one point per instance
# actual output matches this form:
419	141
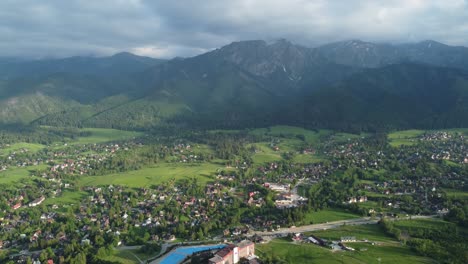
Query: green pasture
298	253
456	193
122	257
432	224
265	153
66	198
410	137
310	136
344	137
157	174
202	149
404	137
371	232
328	215
308	158
99	135
31	147
16	174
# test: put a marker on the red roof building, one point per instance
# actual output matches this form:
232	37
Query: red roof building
233	253
16	206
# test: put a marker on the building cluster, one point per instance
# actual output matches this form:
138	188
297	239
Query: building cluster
331	244
287	197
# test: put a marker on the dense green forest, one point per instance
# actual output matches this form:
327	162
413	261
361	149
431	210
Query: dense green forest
245	84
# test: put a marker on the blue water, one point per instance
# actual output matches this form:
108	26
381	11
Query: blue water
179	254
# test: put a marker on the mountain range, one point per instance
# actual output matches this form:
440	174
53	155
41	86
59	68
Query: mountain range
349	85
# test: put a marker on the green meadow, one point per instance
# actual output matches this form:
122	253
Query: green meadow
18	174
129	256
432	224
387	250
265	153
405	137
157	174
66	198
293	140
328	215
99	135
456	193
122	257
344	137
31	147
310	136
410	137
308	158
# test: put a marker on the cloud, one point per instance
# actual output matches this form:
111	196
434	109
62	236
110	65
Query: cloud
55	28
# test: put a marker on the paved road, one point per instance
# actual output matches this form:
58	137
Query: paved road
316	227
335	224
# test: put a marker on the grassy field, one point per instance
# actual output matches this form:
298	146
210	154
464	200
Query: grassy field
387	250
290	144
307	158
129	256
343	137
99	135
310	136
405	137
265	153
456	193
409	137
458	130
66	198
225	131
16	174
155	175
433	224
123	257
328	215
293	140
31	147
371	232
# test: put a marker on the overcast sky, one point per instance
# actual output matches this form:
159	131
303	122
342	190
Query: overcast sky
169	28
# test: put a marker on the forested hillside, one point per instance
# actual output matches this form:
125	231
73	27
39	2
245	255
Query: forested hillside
353	85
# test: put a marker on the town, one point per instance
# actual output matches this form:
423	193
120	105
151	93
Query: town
58	214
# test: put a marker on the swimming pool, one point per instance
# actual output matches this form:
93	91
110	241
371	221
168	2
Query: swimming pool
178	255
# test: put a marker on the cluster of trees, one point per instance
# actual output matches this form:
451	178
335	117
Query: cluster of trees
447	243
33	134
113	113
458	212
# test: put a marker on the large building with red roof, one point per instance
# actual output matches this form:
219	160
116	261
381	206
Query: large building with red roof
233	253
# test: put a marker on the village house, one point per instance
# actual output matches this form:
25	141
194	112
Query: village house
37	202
276	187
348	239
316	240
16	206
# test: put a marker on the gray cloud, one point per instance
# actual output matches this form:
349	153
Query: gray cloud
159	28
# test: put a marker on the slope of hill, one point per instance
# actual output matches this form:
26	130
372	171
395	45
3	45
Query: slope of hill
25	109
400	95
347	85
120	63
